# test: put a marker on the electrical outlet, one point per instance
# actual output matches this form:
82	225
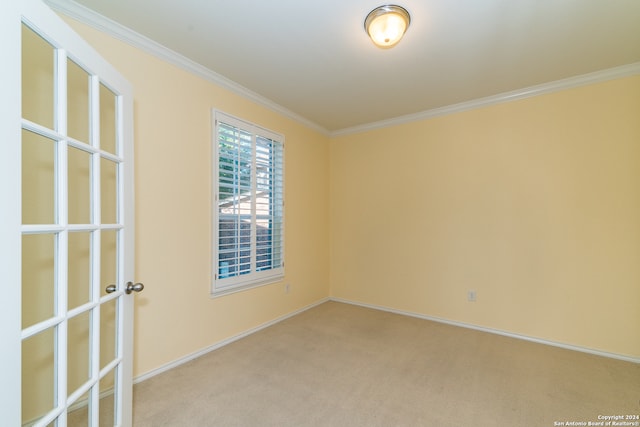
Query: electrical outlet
287	288
471	296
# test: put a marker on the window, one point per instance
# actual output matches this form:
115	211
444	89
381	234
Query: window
249	207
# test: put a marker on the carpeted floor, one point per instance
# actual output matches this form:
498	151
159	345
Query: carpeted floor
343	365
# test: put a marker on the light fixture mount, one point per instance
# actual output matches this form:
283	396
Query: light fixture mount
387	24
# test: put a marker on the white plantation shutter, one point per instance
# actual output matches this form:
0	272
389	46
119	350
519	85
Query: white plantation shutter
234	201
269	209
249	211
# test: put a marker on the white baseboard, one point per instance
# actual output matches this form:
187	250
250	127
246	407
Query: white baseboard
246	333
493	331
222	343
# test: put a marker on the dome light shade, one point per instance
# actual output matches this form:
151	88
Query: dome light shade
387	24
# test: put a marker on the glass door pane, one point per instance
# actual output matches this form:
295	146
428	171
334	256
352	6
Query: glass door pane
78	415
79	186
108	324
79	273
38	376
77	102
38	278
108	400
78	346
37	78
107	120
109	191
38	179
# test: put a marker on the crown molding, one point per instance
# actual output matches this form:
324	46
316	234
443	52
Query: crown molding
101	23
124	34
528	92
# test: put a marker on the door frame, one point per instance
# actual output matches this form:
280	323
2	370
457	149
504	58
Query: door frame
10	214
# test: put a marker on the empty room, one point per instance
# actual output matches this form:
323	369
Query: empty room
351	213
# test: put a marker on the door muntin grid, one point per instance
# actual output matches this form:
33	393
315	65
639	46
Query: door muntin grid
73	232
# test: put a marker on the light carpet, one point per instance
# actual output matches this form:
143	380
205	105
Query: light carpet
343	365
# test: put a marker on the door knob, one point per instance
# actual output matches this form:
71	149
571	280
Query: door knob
138	287
110	289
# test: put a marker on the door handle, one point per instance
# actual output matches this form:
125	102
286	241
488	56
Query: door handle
138	287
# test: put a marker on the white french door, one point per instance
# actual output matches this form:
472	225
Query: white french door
66	227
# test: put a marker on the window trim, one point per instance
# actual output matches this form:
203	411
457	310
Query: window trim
225	286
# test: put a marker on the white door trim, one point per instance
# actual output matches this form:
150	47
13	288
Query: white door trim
10	213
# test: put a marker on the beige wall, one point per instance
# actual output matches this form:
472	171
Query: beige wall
175	315
534	204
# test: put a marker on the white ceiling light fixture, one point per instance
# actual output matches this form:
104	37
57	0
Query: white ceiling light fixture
387	24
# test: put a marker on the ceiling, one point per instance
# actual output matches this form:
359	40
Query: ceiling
313	58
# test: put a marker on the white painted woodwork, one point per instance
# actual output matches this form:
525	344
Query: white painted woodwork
64	44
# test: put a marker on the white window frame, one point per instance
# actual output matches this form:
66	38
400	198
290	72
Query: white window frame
221	284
